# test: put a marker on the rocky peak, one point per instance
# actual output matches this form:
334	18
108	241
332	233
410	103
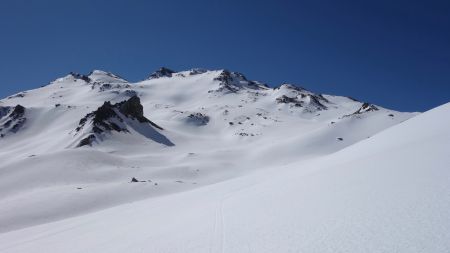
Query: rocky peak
228	77
162	72
106	81
288	86
110	118
317	101
101	75
18	112
300	97
197	71
366	107
104	112
232	82
101	72
80	77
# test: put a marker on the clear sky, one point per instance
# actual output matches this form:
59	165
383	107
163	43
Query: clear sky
392	53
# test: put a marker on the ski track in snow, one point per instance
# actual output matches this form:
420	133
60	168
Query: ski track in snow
218	233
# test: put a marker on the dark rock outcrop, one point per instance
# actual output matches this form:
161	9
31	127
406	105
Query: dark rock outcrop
18	95
118	117
18	112
289	100
133	108
316	101
198	119
108	116
366	107
300	97
162	72
87	141
290	87
12	119
232	82
196	71
105	81
80	77
313	104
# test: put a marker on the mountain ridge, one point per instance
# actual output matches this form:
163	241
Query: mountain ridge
92	134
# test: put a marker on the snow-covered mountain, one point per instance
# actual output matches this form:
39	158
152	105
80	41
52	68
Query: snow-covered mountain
207	151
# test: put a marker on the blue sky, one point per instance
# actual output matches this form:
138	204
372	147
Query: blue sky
392	53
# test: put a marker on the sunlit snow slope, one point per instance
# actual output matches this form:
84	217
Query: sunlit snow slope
241	168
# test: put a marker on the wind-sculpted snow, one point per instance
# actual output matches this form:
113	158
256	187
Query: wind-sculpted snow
207	151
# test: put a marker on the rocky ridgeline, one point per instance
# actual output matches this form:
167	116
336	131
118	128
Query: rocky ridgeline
197	71
232	82
105	81
299	97
101	81
366	107
162	72
115	117
110	118
81	77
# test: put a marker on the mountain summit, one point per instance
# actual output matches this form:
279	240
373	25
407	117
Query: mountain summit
162	72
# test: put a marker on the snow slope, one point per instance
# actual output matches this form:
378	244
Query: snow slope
222	164
388	193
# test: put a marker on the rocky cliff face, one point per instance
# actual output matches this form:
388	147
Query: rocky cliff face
11	119
110	118
232	82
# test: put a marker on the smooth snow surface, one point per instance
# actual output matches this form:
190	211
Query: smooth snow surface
252	169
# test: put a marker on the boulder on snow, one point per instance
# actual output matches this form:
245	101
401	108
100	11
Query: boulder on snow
198	119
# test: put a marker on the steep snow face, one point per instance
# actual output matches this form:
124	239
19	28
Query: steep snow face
86	136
